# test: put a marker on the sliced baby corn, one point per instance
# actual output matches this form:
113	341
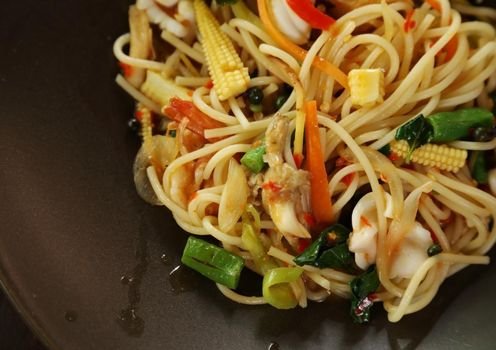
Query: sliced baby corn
225	67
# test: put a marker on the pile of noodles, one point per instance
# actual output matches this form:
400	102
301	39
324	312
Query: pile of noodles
416	82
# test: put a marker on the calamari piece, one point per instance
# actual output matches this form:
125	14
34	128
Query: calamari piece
284	196
412	252
289	23
363	239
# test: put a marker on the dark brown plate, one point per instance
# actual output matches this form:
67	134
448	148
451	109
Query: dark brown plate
71	220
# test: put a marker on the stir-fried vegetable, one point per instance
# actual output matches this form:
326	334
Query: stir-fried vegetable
442	157
456	125
319	62
320	198
478	167
307	11
362	288
443	127
276	289
226	69
213	262
234	197
252	243
254	159
197	120
330	249
161	90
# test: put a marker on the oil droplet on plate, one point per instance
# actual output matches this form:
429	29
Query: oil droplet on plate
165	260
183	279
274	346
71	316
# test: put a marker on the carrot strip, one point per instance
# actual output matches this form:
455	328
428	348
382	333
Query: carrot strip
319	192
298	52
451	48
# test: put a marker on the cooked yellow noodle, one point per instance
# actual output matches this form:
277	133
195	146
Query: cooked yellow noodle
416	81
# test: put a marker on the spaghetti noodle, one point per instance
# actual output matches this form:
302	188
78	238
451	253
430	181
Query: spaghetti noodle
384	73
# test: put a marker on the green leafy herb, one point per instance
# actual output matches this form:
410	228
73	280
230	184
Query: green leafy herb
386	150
328	250
362	288
478	166
416	132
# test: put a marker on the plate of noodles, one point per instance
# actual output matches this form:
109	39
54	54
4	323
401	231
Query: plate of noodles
283	174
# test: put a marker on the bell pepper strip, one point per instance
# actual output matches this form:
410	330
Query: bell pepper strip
307	11
319	193
127	70
296	51
213	262
409	23
198	121
276	289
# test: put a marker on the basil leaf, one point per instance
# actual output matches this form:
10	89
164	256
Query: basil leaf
416	132
338	257
311	254
361	288
328	250
386	150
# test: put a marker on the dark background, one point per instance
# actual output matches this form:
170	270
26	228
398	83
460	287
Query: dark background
13	332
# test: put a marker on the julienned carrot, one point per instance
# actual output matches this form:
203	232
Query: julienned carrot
319	62
320	199
451	48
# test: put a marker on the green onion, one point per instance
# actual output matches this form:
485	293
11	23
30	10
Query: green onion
213	262
478	167
252	243
443	127
276	289
434	249
254	159
451	126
